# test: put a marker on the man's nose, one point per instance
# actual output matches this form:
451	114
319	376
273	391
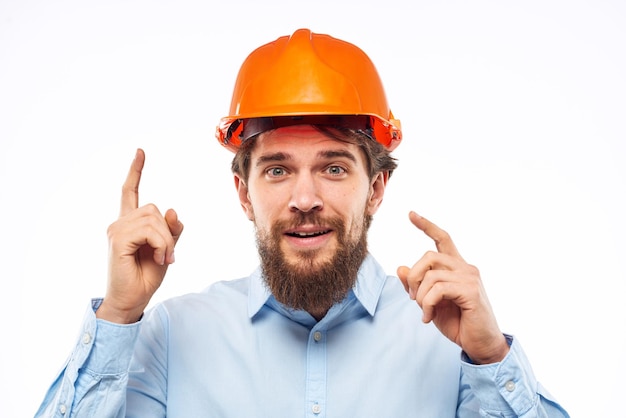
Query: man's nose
305	196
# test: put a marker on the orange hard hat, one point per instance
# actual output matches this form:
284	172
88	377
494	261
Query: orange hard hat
308	78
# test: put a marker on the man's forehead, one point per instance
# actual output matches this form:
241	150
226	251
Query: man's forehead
299	139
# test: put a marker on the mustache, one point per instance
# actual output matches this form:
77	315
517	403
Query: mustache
308	218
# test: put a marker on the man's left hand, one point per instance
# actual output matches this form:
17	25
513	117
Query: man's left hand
451	294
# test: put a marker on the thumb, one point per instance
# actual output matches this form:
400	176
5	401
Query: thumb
176	229
403	274
174	224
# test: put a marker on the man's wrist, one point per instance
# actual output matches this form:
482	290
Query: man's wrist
500	349
117	316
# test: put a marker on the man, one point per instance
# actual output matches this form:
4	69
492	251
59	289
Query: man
318	330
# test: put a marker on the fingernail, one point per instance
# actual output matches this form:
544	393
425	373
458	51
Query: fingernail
172	258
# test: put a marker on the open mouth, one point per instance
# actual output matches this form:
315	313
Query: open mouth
308	234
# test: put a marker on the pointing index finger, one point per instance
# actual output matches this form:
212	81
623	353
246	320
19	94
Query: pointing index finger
442	239
130	189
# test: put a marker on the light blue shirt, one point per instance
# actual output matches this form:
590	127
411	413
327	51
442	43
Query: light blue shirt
234	351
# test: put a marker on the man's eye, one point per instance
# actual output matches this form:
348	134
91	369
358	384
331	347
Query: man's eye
335	170
276	171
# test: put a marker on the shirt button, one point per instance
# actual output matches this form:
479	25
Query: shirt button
316	409
62	409
510	386
86	338
317	336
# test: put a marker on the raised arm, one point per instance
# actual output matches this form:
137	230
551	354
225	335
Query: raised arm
497	378
95	376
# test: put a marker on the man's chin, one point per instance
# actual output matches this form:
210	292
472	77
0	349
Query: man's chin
305	266
308	257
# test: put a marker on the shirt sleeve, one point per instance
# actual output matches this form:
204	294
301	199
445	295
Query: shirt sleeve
94	378
507	388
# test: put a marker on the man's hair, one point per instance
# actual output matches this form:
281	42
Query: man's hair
377	157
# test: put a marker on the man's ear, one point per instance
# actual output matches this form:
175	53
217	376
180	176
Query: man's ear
377	191
244	197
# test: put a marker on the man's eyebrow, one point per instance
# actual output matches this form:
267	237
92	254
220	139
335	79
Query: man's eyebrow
326	154
275	157
329	154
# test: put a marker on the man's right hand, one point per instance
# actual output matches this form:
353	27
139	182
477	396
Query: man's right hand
141	247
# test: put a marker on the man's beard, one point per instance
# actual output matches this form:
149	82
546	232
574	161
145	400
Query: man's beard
312	285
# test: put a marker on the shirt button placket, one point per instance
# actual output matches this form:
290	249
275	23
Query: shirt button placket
316	373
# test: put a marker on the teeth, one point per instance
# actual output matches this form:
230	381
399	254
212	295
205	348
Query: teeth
308	234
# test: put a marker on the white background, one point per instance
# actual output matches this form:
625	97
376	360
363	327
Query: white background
514	125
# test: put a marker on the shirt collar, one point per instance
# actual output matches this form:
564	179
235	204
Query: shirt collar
367	289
